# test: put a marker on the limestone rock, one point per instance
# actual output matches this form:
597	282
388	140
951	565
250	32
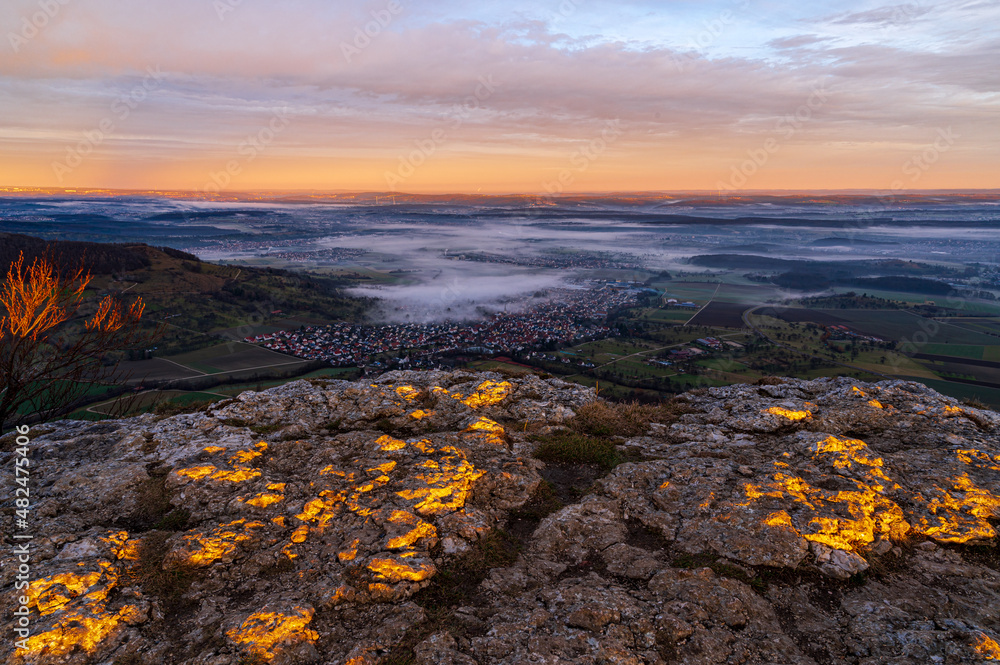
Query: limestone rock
806	522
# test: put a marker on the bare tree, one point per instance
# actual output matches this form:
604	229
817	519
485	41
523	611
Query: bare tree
51	354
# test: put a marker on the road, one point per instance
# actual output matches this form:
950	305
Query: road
705	305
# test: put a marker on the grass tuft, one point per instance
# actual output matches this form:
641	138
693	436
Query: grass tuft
569	447
169	408
974	403
600	418
175	520
542	503
169	585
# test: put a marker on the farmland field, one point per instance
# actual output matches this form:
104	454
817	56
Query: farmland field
896	325
974	372
695	291
990	396
720	314
232	357
157	369
969	351
668	315
988	326
800	315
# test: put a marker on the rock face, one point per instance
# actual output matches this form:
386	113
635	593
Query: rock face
319	522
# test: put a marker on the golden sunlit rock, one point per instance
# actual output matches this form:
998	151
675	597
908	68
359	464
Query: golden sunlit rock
383	468
213	473
263	632
236	476
789	414
488	393
420	414
444	490
79	601
779	519
493	432
197	472
122	547
986	647
419	529
204	549
264	499
409	393
854	453
78	630
350	553
52	593
794	416
387	443
979	458
356	521
396	571
244	457
846	520
960	514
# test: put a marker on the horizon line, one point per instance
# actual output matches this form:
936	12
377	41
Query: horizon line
334	193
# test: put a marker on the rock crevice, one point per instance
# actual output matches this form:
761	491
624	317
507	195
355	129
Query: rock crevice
329	522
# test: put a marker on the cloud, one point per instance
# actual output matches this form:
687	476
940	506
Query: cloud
555	85
883	16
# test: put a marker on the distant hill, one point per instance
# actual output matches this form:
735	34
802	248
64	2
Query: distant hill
198	300
100	258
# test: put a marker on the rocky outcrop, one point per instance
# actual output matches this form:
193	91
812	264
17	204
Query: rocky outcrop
335	523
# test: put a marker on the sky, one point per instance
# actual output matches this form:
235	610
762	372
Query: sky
536	97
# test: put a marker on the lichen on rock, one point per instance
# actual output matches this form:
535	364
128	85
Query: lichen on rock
803	522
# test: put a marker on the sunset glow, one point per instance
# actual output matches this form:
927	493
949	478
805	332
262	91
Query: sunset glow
494	97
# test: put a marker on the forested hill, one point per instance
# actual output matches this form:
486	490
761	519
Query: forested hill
201	300
96	258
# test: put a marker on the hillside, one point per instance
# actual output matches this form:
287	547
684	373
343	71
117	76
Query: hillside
199	301
460	518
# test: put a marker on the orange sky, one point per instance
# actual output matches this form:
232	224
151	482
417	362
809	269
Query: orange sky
500	98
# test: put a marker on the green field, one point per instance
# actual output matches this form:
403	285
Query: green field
667	315
898	325
989	396
955	350
147	401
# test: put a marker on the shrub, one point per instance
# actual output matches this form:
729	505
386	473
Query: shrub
599	418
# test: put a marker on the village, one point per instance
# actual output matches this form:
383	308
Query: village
571	316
